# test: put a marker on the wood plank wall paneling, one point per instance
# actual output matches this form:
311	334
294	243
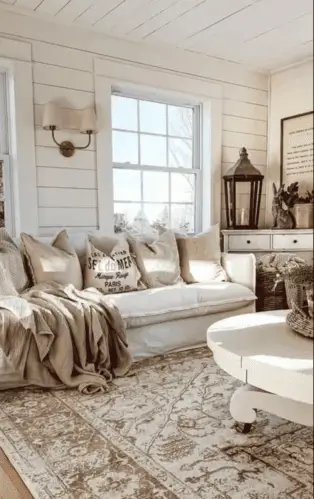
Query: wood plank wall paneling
70	216
55	197
63	71
51	157
61	177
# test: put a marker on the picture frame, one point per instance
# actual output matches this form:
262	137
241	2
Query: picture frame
296	150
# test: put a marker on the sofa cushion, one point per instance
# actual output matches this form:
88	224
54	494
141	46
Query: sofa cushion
13	276
157	260
110	269
57	262
153	306
200	257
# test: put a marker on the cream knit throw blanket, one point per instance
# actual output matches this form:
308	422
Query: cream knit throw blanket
56	336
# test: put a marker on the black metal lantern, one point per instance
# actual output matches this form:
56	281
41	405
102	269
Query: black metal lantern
243	189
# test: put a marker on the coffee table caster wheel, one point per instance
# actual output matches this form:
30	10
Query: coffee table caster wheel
243	427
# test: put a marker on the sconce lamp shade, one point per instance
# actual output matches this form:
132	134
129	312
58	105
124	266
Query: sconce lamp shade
88	121
52	116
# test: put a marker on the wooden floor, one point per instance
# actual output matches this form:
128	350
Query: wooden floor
11	485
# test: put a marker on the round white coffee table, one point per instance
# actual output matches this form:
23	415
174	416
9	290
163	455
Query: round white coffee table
275	364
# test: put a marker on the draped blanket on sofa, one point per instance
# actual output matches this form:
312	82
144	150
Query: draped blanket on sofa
56	336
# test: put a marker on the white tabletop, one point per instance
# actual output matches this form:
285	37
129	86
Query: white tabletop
262	350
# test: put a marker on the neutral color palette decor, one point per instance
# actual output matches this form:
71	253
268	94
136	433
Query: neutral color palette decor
242	178
299	241
276	364
164	432
297	150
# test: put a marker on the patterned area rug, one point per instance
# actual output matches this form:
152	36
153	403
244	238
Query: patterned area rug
162	433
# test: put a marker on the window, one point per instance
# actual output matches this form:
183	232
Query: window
6	198
3	148
156	161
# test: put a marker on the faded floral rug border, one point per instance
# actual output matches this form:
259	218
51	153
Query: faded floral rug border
164	432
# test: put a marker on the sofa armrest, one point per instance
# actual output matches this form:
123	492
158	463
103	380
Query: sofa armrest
240	268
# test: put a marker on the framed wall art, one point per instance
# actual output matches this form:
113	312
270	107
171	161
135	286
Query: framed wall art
297	151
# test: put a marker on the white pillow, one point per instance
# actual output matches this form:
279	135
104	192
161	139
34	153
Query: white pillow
112	272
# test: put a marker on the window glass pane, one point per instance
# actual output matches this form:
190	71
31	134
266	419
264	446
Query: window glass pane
124	113
156	186
125	147
152	117
153	150
157	214
180	153
124	215
182	217
182	187
4	146
2	221
180	121
126	185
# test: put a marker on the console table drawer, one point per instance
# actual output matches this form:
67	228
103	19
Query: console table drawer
293	241
248	242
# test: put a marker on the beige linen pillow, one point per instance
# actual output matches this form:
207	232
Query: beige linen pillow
158	261
200	257
13	276
57	262
113	270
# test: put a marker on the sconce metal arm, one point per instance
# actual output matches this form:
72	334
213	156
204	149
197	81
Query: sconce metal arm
67	148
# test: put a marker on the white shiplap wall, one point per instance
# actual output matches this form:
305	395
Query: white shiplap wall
63	69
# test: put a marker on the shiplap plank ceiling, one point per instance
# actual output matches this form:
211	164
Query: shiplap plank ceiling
264	34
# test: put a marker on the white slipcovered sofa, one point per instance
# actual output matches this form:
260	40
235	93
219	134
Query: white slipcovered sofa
176	317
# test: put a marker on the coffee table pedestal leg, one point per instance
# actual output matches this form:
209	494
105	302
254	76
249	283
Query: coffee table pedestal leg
247	399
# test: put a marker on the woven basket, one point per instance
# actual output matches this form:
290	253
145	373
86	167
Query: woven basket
309	296
297	281
300	321
295	293
270	292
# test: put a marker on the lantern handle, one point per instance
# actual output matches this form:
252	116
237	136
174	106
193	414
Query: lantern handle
243	153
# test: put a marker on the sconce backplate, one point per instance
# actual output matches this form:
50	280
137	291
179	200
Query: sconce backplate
67	149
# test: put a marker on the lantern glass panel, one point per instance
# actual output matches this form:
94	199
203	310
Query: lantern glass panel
243	200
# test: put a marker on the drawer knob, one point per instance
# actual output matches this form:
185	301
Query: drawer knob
295	241
248	241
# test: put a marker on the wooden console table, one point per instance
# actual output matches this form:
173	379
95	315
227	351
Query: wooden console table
299	241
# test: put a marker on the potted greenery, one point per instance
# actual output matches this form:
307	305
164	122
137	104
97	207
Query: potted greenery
300	208
303	211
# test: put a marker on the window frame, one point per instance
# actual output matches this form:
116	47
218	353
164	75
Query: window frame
4	101
20	161
195	170
5	150
135	78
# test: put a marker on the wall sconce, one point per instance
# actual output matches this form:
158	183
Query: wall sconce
52	121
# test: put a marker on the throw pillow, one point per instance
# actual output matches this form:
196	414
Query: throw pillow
13	276
57	262
200	257
110	271
158	261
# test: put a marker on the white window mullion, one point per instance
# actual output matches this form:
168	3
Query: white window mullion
139	153
167	159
